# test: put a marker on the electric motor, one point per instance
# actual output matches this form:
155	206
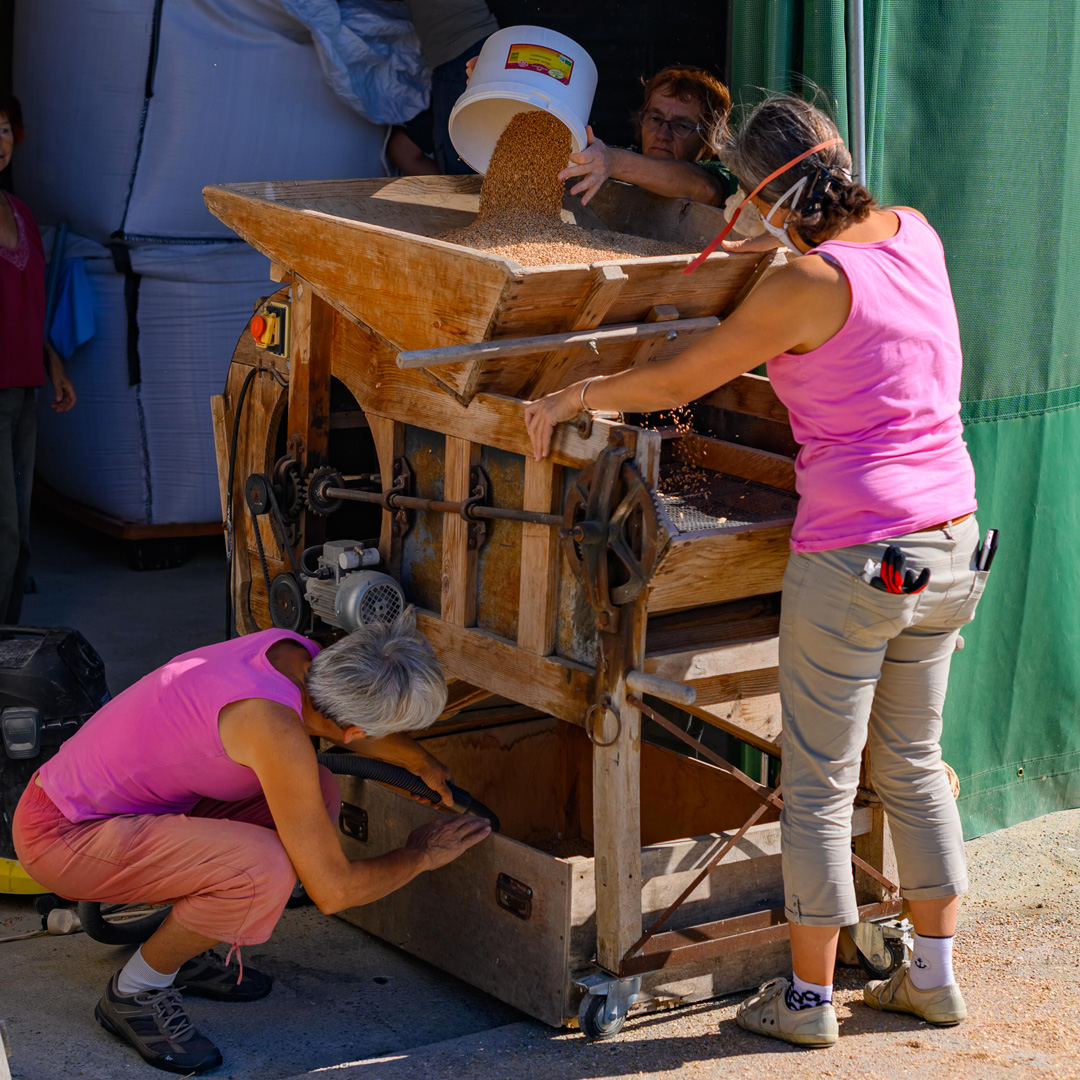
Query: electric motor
345	593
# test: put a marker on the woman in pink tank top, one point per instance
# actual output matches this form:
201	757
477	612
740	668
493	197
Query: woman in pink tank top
199	786
860	335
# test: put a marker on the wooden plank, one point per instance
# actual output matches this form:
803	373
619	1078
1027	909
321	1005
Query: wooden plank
737	686
752	394
364	362
647	350
458	560
709	568
309	383
598	290
689	665
539	560
756	720
280	273
688	856
556	687
761	466
549	374
389	439
523	962
617	826
538	291
630	209
718	624
417	291
221	448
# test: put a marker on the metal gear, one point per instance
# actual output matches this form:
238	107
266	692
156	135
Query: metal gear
317	482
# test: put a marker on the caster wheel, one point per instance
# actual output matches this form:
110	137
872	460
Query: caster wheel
896	958
591	1018
45	903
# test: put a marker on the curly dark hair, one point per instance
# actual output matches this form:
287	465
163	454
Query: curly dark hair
781	128
10	107
694	84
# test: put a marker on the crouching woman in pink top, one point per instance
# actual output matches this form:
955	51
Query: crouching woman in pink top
198	786
862	345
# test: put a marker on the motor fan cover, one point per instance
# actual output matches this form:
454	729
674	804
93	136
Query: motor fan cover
366	596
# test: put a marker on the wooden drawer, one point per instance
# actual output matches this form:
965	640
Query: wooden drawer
516	915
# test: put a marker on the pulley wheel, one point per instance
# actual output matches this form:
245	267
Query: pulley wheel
258	494
288	608
288	480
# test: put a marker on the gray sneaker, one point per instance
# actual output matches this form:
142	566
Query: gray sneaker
943	1005
154	1022
207	975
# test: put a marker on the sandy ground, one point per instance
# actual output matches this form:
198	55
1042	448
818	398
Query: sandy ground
347	1007
1018	956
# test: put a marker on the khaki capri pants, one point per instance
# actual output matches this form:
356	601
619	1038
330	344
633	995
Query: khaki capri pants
860	667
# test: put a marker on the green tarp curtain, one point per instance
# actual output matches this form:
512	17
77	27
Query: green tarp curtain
973	116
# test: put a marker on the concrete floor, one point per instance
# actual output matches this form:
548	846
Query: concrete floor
347	1007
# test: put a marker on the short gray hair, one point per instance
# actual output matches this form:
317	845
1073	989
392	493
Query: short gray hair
383	678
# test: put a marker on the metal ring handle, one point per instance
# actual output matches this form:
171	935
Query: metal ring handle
607	705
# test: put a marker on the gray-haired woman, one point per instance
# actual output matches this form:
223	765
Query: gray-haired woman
199	786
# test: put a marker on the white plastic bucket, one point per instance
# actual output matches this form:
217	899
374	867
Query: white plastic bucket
520	69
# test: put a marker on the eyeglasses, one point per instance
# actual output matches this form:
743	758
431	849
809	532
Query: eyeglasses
681	129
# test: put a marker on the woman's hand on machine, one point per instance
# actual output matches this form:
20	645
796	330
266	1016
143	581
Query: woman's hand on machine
542	415
442	841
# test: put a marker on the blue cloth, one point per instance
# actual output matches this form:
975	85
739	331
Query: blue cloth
369	54
73	314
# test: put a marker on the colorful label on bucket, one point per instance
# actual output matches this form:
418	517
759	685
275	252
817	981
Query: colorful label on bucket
538	58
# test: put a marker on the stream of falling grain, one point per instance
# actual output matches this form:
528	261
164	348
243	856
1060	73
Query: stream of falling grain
521	199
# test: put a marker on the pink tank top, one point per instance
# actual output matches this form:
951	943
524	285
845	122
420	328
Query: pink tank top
155	748
877	407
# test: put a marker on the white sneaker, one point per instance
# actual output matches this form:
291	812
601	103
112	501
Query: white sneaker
944	1005
767	1013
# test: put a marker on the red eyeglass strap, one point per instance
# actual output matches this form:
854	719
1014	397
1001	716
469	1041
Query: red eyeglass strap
738	210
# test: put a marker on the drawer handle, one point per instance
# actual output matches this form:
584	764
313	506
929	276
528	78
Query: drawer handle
513	896
353	821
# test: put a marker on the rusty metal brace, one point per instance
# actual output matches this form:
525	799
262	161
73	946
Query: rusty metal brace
770	799
478	495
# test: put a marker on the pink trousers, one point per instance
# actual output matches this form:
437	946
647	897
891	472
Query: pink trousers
222	867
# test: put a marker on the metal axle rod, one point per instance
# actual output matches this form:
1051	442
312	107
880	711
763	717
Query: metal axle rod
397	501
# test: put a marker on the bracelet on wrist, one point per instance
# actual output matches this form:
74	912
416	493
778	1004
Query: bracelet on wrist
584	387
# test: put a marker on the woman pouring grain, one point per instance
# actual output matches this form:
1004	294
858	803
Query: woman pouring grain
862	345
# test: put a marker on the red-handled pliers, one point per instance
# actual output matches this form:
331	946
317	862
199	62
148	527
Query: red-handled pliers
895	579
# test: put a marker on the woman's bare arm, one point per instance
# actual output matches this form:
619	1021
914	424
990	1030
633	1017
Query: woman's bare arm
268	738
796	309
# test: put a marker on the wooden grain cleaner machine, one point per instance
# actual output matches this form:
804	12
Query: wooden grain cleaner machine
378	403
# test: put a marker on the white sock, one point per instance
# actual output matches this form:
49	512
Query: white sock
137	975
931	963
804	995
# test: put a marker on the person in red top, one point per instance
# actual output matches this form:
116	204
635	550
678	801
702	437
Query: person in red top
24	356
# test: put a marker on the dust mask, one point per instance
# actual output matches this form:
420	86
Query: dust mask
795	191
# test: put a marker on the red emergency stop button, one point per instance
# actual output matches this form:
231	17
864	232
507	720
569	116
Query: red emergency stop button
257	326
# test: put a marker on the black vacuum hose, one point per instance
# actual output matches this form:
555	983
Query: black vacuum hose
346	764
